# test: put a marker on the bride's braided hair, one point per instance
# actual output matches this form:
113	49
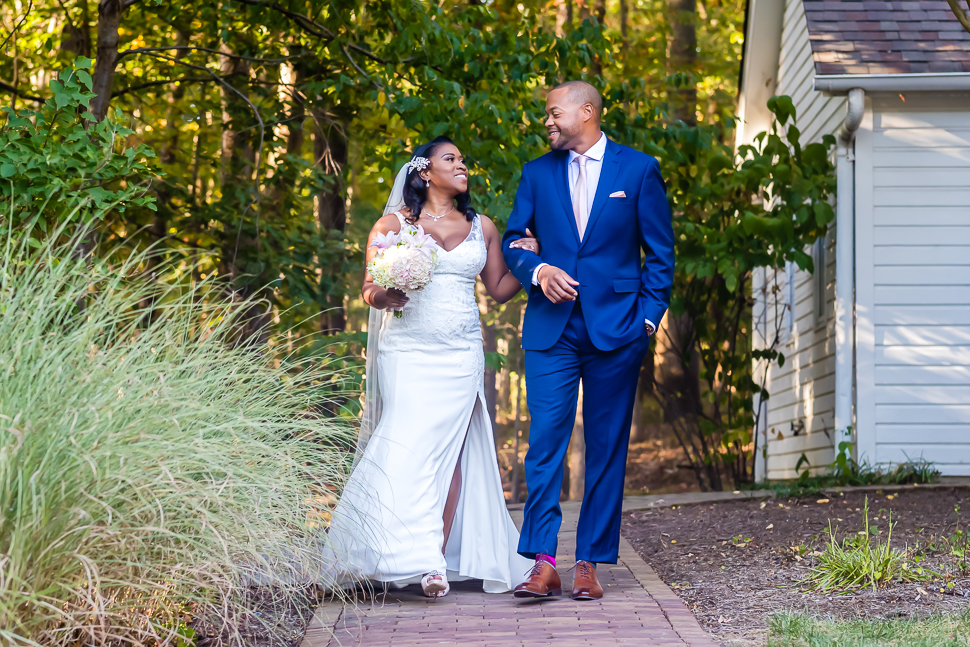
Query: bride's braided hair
416	193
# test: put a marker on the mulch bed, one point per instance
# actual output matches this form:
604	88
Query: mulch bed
735	564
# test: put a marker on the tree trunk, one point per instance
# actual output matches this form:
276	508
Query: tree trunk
241	245
76	38
517	437
109	19
167	155
638	431
330	153
683	58
600	10
624	21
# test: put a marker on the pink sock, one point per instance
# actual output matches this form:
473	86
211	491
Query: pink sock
547	558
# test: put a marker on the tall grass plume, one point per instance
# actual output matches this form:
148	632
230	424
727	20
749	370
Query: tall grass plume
150	468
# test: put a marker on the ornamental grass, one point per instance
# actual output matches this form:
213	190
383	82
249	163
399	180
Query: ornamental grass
152	470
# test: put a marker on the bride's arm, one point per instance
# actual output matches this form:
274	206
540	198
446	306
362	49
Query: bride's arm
374	295
499	281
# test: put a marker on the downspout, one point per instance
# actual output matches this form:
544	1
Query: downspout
845	268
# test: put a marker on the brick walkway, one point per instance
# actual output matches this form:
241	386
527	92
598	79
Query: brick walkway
637	609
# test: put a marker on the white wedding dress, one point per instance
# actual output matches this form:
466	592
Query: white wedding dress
388	524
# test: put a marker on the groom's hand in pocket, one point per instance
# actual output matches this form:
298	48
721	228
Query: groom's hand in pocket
558	286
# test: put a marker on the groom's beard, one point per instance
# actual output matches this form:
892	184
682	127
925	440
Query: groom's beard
566	137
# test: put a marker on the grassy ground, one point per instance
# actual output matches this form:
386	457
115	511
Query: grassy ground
935	631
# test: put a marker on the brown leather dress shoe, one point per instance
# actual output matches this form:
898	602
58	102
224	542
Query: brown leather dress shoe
585	584
543	582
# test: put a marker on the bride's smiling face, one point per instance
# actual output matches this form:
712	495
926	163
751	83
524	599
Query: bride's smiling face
447	171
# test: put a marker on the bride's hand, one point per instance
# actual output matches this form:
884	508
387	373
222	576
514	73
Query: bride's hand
530	243
394	299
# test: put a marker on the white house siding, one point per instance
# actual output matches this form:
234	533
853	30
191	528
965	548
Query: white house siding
913	280
802	391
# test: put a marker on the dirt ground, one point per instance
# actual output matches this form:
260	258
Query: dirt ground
735	564
652	467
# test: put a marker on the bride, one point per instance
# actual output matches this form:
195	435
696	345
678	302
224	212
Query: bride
424	502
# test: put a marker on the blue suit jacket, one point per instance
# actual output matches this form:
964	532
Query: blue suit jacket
617	292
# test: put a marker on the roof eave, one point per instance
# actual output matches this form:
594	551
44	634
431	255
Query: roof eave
840	84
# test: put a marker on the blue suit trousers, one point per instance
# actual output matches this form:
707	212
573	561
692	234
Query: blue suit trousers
609	386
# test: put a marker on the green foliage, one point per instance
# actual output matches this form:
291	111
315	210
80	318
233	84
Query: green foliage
54	161
846	471
275	162
791	630
148	469
732	214
861	561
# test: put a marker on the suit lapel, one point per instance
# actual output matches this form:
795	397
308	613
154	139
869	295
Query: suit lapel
608	173
562	188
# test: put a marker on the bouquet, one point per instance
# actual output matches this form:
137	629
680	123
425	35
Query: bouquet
405	260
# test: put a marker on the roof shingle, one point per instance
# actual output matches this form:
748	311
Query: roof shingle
886	37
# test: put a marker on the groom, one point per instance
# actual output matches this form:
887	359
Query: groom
594	205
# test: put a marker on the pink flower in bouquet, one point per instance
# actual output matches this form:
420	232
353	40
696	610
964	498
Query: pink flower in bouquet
404	261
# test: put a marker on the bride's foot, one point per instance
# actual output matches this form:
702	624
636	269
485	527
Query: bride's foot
435	584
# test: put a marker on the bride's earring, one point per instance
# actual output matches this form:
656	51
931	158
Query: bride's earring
427	183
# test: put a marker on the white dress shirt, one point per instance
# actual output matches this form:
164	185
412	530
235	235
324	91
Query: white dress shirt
594	164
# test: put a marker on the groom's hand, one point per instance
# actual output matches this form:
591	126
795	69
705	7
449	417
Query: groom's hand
558	286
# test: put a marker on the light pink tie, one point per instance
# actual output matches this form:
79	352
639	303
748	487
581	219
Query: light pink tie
580	203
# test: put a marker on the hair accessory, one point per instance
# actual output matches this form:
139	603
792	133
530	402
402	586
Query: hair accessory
419	164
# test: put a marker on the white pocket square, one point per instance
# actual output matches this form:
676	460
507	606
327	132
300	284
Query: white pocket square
618	194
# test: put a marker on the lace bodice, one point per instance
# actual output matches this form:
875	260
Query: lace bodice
445	313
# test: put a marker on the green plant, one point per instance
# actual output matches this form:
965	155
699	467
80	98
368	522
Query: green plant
734	212
55	164
150	471
861	561
846	471
795	630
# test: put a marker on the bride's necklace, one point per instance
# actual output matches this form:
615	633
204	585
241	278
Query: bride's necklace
437	218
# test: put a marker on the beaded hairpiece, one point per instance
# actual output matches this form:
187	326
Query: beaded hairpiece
419	164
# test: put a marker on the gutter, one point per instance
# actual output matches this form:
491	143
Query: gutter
845	267
840	84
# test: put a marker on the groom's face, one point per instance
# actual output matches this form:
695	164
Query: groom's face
564	120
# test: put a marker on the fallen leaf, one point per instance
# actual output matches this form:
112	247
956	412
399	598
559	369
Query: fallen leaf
770	526
722	620
921	590
673	541
763	504
822	501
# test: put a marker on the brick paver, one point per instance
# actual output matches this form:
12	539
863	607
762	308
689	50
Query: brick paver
637	609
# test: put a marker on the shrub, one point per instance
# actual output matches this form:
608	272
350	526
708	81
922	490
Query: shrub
149	470
55	164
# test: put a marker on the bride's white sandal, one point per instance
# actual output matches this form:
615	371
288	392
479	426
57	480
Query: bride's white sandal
435	584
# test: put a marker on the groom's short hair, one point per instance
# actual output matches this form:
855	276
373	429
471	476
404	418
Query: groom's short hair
582	93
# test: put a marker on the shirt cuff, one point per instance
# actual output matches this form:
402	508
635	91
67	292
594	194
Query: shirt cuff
535	273
650	325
